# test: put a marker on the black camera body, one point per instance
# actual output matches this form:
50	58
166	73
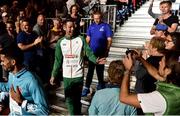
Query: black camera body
132	52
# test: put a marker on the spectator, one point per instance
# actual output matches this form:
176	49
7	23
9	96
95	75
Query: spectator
172	41
19	19
27	42
26	93
40	28
99	38
162	101
69	3
5	41
53	36
42	67
166	21
31	12
59	8
5	17
69	53
14	10
11	31
76	17
106	101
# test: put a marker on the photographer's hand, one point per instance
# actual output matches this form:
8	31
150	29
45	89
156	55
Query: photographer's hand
128	62
137	54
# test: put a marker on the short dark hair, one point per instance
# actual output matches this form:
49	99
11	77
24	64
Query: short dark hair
13	52
74	5
98	13
166	2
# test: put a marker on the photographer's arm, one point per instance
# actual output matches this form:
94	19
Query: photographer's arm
125	96
151	69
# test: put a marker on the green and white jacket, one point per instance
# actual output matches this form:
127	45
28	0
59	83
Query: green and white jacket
69	54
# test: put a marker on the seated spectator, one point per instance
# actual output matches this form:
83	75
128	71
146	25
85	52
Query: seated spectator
162	101
166	21
106	101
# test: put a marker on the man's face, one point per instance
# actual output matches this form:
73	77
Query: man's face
21	14
5	19
41	20
69	28
97	18
9	27
165	8
25	26
6	63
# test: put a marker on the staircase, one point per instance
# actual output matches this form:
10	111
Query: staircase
132	34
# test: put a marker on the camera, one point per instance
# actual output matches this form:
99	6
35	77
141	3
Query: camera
132	52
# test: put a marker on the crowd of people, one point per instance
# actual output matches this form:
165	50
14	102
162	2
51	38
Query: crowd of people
34	56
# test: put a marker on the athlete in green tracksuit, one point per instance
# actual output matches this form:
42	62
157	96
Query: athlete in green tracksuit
69	54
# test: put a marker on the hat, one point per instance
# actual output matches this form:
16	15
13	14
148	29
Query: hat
161	27
4	14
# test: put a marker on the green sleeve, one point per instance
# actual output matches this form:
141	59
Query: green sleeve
58	59
88	52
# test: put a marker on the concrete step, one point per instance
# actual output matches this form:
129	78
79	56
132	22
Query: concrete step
129	36
141	16
126	41
138	24
136	20
133	29
132	33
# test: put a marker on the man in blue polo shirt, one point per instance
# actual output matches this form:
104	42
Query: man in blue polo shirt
99	38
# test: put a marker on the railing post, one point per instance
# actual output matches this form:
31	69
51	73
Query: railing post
114	19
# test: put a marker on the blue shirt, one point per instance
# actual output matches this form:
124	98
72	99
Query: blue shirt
106	102
35	101
98	34
29	55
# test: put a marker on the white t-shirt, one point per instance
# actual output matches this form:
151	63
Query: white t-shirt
152	103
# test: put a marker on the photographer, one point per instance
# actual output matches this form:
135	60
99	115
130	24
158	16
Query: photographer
162	101
145	82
